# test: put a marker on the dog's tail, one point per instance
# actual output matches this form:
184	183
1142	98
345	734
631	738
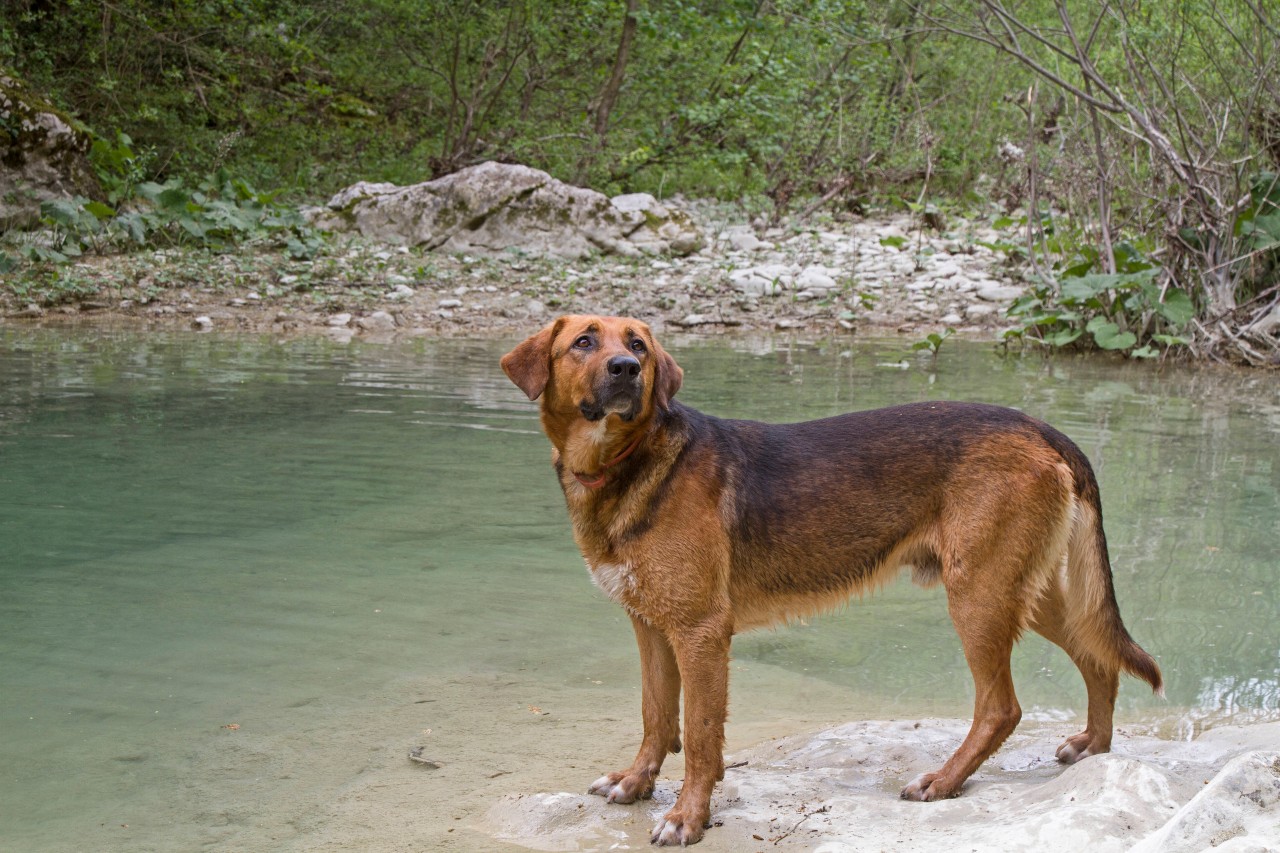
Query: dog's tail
1093	617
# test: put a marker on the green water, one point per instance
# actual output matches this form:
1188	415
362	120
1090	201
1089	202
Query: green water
239	578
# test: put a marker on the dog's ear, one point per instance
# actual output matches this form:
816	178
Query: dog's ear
667	377
529	364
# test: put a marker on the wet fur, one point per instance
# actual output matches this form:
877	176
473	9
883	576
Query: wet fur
710	527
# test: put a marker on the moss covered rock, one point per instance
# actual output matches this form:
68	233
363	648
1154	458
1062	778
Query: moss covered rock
43	155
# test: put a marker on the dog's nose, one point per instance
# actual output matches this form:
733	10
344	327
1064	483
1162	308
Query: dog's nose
623	367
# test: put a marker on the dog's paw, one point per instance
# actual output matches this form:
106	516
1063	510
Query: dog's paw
675	828
1077	747
622	788
928	787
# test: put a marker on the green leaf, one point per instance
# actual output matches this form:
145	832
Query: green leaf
1023	304
1100	322
1062	337
100	210
133	225
1109	337
60	211
1177	307
895	242
173	198
192	226
1145	351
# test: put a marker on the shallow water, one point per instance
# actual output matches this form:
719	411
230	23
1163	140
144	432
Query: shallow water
239	578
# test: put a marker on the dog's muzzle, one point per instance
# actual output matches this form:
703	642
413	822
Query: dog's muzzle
618	392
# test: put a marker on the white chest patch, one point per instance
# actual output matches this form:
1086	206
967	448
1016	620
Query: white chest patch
616	580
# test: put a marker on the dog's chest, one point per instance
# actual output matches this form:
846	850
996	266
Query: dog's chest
616	580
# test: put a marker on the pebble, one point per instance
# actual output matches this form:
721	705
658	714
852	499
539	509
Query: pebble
202	323
339	320
449	303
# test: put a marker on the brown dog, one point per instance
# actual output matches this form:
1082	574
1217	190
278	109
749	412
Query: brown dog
702	527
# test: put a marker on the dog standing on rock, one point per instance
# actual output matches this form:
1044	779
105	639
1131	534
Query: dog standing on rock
702	527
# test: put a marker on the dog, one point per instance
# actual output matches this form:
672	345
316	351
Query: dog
702	527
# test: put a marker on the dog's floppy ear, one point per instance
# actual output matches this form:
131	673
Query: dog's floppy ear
529	364
667	377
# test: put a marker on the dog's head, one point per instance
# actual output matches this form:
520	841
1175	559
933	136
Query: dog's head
596	367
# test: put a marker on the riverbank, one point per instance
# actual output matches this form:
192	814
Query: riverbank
875	275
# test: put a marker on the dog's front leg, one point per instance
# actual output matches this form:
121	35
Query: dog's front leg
660	710
703	656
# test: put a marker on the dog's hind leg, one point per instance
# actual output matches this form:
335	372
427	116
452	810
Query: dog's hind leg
1101	680
660	711
987	628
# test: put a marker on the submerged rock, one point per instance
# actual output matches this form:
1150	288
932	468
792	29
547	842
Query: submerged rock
494	207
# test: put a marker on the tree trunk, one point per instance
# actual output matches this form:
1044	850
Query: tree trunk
609	95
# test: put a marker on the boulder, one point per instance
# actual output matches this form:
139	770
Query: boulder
495	207
43	155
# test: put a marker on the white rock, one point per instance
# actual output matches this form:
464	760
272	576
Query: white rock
944	269
815	278
979	310
401	291
745	241
751	281
339	320
999	293
449	303
493	207
1219	792
378	321
202	323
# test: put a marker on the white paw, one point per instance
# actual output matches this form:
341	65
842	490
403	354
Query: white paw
611	791
670	832
1067	754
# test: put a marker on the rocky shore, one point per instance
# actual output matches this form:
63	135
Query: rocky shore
878	274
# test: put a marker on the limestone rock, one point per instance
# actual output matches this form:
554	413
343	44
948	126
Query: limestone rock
493	207
43	156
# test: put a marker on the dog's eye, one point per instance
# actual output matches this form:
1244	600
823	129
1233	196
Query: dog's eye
637	345
583	342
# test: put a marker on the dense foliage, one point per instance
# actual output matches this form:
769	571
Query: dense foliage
1144	138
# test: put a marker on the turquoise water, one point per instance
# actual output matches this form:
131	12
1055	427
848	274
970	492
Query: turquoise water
240	577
